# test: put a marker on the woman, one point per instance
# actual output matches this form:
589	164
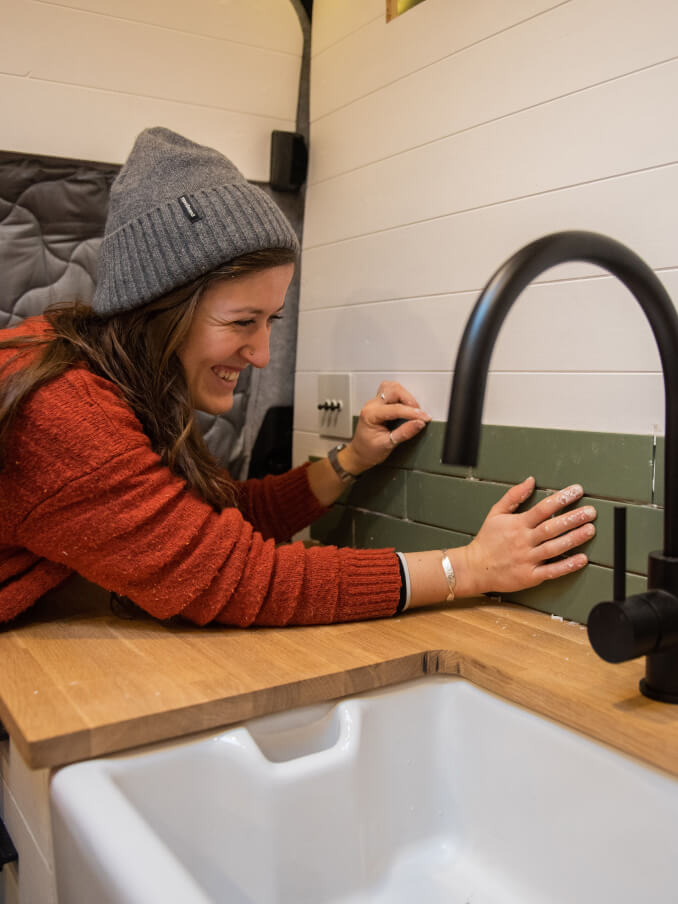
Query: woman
104	473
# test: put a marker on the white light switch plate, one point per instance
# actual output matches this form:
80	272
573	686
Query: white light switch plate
335	390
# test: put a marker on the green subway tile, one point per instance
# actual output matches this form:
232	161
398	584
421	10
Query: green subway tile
574	595
644	530
378	531
659	472
382	489
424	451
609	465
335	527
450	502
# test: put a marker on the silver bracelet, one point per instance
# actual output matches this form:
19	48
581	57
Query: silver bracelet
450	576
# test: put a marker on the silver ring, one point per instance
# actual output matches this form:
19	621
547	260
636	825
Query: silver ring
382	397
391	440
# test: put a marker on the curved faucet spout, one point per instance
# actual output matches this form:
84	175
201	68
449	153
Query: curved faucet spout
462	435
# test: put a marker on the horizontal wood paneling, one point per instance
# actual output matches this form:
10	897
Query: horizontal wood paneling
459	252
263	23
114	54
462	90
82	82
69	121
544	331
614	128
377	54
334	22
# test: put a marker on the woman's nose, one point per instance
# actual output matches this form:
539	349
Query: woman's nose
257	350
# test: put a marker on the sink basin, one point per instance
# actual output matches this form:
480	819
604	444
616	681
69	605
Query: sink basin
429	791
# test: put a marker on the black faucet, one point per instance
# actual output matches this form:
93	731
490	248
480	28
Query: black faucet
645	624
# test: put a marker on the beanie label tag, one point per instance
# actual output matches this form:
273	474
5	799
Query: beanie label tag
190	208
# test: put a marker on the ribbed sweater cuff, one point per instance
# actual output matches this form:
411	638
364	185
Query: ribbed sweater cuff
369	584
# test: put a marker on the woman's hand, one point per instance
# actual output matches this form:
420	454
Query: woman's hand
512	551
373	442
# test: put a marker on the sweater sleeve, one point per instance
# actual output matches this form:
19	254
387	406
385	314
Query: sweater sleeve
91	495
279	505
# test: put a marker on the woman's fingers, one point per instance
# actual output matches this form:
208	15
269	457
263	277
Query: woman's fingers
398	412
406	430
390	392
387	420
565	542
554	527
552	505
514	498
562	567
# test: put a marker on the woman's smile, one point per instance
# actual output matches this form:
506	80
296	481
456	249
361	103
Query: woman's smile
225	374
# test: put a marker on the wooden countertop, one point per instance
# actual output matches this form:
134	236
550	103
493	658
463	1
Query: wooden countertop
77	681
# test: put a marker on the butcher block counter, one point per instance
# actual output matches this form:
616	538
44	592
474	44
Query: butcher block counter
80	681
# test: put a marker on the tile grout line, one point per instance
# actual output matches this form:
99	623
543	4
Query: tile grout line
653	468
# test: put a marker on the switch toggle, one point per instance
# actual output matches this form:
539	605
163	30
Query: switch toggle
334	405
330	405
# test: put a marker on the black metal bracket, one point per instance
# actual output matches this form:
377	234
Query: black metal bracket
8	853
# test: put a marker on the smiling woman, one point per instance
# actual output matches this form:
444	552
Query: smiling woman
231	330
104	472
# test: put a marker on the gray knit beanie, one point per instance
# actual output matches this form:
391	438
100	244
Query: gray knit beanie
177	210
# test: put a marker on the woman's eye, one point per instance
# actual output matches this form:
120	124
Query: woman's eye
275	317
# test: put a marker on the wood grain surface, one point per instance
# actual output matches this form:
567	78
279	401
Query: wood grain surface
79	681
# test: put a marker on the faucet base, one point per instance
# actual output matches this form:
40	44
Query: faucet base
661	675
654	693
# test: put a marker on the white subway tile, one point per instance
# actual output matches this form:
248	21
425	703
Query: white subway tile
305	402
614	403
307	445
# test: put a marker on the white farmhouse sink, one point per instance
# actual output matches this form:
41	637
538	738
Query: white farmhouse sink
430	791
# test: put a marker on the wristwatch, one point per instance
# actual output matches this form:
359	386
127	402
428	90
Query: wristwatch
343	475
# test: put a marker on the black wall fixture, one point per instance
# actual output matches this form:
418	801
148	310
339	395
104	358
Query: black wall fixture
8	853
289	160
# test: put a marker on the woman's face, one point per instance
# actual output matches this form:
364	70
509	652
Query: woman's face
230	330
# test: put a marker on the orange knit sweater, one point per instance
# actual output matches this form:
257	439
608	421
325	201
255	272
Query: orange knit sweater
81	490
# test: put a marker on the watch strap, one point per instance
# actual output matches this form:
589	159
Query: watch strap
343	475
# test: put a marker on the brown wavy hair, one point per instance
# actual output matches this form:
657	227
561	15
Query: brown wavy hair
137	351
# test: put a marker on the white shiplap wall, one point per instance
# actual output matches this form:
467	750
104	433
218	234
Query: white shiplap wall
81	78
447	139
